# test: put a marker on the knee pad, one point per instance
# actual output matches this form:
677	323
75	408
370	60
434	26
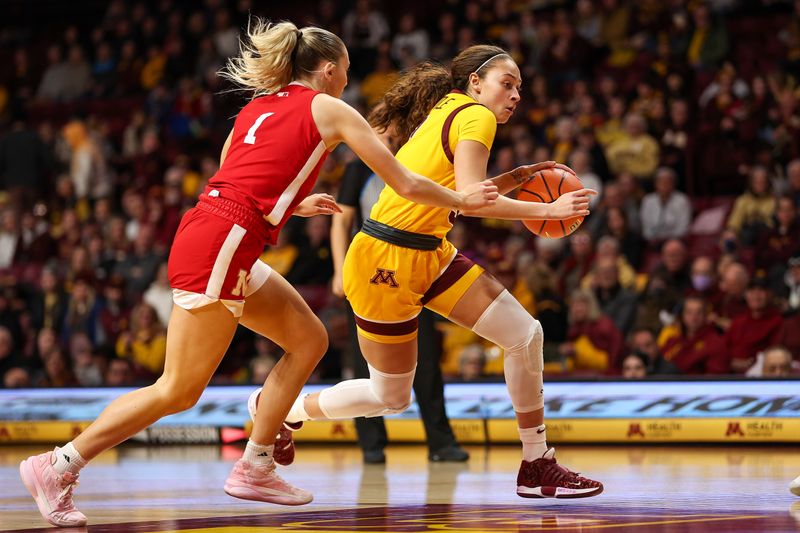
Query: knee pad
507	324
381	394
392	390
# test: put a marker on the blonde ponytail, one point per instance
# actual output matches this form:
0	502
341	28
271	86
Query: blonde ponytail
273	55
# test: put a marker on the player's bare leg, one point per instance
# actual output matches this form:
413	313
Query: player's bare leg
277	312
489	310
294	327
190	363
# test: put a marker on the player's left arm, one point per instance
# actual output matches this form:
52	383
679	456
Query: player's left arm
470	162
521	175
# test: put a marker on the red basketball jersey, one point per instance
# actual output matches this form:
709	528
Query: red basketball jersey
275	154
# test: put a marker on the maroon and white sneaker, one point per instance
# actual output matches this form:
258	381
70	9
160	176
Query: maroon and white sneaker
544	478
283	454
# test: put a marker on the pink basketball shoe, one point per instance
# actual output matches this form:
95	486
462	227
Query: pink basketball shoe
262	484
544	478
51	490
284	444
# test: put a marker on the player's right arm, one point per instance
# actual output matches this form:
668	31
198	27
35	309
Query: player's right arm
338	122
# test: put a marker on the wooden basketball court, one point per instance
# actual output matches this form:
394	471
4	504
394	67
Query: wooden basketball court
647	488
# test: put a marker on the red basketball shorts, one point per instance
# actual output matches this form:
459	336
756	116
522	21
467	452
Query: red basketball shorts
214	256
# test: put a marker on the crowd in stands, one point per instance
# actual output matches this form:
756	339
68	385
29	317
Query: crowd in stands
684	115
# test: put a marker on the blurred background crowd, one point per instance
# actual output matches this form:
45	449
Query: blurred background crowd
684	114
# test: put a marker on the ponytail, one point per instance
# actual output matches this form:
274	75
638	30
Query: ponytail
273	55
410	99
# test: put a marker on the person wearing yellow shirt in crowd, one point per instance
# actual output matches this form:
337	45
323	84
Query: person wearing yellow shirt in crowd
379	81
145	343
753	211
608	247
636	151
282	256
564	138
594	344
707	44
612	130
153	69
615	28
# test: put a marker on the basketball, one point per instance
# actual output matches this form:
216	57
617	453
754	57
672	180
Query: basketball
546	186
794	486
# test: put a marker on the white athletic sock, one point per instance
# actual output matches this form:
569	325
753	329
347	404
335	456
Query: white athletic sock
67	459
534	442
298	411
258	454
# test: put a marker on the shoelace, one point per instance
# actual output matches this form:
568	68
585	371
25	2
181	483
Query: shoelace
279	478
572	477
270	469
65	496
564	474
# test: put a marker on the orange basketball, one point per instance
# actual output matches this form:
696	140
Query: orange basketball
546	186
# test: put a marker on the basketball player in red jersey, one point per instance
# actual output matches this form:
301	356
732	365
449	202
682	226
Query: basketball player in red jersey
269	164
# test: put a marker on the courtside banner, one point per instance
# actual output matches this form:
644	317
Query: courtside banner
693	411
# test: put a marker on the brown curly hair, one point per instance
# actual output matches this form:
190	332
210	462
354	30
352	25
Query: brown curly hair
408	102
410	99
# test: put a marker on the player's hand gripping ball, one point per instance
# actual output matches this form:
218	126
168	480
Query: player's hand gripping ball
546	186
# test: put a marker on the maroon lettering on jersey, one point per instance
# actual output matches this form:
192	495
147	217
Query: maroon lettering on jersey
275	154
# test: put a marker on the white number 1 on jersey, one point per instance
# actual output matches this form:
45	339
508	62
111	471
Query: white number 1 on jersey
250	138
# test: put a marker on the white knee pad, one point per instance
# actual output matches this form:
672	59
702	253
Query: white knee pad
381	394
392	390
506	323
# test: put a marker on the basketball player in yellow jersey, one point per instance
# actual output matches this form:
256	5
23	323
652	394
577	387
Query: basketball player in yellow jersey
401	260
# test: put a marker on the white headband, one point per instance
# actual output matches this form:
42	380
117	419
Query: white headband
488	60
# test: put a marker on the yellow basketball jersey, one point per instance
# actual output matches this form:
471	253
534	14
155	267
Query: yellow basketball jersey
425	154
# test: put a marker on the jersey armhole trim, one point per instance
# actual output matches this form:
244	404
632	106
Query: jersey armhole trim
448	123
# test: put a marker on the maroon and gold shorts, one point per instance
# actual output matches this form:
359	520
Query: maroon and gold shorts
389	284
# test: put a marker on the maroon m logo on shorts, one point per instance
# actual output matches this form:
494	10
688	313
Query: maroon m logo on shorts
384	276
